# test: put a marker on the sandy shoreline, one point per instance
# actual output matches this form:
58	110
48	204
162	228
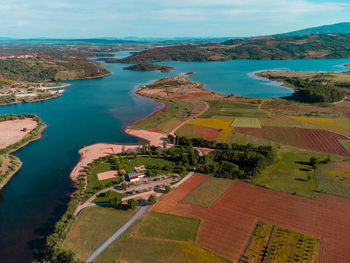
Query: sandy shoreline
95	151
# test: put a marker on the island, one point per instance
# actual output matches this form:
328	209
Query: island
16	131
149	67
206	157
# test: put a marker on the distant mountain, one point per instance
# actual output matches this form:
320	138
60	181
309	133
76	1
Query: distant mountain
262	47
341	28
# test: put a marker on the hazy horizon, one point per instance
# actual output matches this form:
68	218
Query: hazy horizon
167	19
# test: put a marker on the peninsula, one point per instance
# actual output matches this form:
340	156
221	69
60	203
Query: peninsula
16	131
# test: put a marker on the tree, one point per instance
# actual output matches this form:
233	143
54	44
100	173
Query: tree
67	256
123	186
152	200
167	189
132	203
171	138
164	145
115	202
313	162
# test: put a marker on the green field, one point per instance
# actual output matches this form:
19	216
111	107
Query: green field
291	173
165	121
345	144
93	226
151	241
231	109
246	123
206	194
105	197
332	180
171	227
279	245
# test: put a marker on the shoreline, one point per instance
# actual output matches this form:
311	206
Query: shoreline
7	179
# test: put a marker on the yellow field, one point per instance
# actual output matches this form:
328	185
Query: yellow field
341	125
224	124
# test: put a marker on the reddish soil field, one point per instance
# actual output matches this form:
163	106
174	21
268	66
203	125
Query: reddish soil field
310	139
228	223
207	133
342	165
296	109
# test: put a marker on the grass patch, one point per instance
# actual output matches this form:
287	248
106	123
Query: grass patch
93	226
170	227
333	180
290	173
105	197
246	123
345	144
175	112
206	194
280	245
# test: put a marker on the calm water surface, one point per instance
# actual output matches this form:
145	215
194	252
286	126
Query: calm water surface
97	110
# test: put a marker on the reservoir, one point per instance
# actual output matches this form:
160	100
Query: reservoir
98	110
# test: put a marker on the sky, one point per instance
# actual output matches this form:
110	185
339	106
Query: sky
164	18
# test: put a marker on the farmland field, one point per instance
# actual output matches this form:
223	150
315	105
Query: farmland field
172	227
93	226
229	109
274	244
172	114
160	238
333	180
228	223
207	192
341	125
246	123
290	173
223	124
207	133
310	139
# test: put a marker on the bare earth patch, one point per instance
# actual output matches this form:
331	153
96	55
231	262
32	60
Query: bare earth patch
107	175
12	131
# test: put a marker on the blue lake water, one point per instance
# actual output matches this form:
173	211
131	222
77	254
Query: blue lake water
97	110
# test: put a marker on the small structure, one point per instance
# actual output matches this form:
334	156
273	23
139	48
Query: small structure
133	177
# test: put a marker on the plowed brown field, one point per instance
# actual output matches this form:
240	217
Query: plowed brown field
207	133
310	139
228	223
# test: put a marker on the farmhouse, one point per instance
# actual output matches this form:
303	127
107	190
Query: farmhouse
133	177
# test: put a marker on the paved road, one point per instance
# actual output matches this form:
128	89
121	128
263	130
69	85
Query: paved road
139	214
